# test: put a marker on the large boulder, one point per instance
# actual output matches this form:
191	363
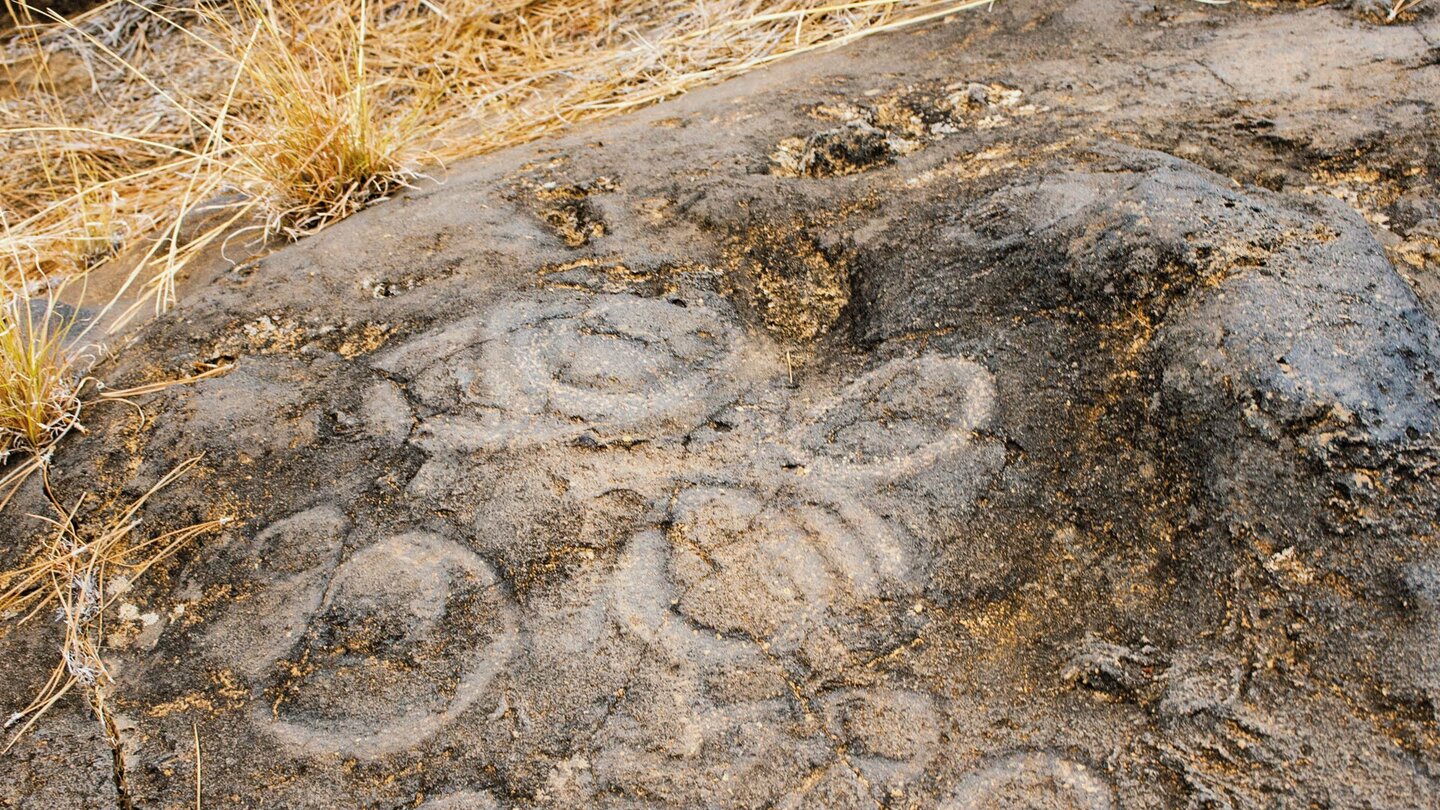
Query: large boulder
895	443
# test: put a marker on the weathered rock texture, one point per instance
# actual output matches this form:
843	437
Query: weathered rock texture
952	421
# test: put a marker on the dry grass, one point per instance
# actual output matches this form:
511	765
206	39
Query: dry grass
42	382
39	381
124	124
39	389
75	572
324	152
1394	8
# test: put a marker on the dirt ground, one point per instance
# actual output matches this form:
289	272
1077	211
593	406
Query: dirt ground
1034	409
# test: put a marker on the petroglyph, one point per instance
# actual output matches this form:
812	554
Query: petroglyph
1027	472
780	568
900	418
296	557
1033	780
889	735
529	372
416	624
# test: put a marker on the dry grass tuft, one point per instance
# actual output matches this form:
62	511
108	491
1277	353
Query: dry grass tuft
39	383
318	150
42	381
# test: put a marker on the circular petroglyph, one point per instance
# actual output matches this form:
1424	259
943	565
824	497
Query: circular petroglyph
1031	781
892	724
616	361
889	734
410	632
775	567
290	562
900	417
533	371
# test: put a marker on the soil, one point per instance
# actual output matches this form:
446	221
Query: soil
1035	409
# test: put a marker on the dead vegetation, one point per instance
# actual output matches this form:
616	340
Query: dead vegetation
39	386
83	567
169	127
39	389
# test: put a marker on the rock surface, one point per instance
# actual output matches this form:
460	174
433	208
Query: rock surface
995	415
